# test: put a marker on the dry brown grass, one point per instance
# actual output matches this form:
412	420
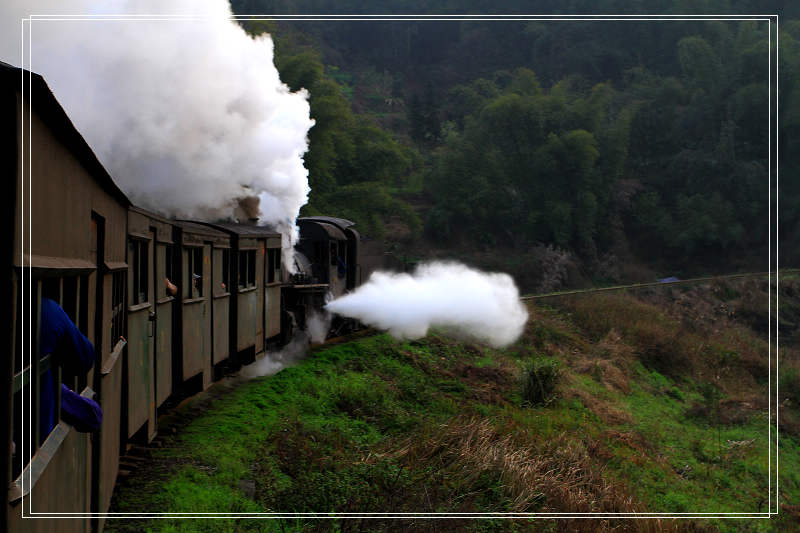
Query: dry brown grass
656	339
551	477
556	476
604	410
607	371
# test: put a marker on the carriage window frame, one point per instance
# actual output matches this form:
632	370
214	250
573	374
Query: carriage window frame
226	269
69	291
168	270
247	269
118	291
140	271
273	265
194	266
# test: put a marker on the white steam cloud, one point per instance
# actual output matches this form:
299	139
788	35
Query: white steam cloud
274	362
317	326
188	116
485	306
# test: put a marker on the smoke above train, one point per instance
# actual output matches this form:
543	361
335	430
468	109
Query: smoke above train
464	301
190	117
188	114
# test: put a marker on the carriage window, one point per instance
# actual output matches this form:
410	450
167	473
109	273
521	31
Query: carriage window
117	303
247	269
197	277
194	265
251	268
139	271
40	379
167	269
226	270
273	265
242	280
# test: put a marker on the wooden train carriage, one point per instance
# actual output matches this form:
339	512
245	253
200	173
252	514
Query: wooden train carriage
256	263
204	287
72	218
150	316
273	281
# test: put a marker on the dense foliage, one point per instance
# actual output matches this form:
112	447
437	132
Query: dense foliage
628	139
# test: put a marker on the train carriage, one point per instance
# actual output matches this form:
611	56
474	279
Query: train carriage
75	218
150	316
204	287
256	262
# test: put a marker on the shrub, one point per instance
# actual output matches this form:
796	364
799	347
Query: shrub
789	384
539	380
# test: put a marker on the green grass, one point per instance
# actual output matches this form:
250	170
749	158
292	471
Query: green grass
439	425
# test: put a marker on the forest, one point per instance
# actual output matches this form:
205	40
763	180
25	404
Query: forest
605	150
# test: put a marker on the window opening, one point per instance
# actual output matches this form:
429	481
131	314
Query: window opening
226	258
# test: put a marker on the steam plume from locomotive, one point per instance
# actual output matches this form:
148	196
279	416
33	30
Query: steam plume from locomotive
189	116
482	305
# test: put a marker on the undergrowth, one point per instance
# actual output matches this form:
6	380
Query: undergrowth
631	408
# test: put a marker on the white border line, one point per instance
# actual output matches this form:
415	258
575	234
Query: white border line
769	261
777	263
160	18
521	18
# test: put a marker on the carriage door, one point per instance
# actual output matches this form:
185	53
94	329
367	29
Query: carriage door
162	337
141	330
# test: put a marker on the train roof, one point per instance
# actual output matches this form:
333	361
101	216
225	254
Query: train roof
199	227
151	214
43	100
340	223
332	231
250	230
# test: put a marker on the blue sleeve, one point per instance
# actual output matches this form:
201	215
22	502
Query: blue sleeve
62	338
83	414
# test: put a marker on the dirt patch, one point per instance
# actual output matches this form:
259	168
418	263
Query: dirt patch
488	384
607	372
484	374
633	440
731	412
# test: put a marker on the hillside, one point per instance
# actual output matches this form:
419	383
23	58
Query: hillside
634	150
650	401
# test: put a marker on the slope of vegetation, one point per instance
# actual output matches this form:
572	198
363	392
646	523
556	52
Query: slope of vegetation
646	402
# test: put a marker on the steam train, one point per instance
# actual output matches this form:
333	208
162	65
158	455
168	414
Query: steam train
77	239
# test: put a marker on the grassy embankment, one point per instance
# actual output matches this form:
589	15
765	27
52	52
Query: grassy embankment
659	405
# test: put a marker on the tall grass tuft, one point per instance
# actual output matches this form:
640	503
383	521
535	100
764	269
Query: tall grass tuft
539	380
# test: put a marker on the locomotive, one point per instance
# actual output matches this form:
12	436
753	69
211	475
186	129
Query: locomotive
77	239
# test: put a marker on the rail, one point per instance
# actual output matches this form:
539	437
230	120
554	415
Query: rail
656	284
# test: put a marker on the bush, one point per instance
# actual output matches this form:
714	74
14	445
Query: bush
539	380
789	385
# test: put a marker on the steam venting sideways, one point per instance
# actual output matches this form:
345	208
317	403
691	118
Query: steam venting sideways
468	302
188	115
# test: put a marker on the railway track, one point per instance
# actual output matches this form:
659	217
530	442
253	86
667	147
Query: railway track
657	284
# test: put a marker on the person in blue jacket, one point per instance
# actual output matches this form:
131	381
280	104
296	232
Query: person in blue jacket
72	351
